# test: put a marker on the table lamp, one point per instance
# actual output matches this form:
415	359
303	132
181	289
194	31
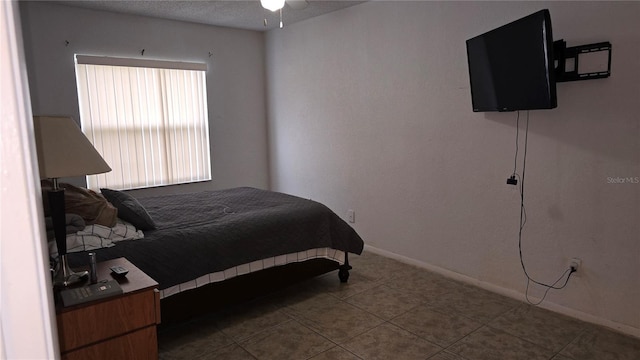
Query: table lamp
64	151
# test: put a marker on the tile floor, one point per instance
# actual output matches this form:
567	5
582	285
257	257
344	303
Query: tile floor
390	310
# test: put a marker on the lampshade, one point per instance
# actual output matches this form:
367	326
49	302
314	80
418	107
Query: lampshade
272	5
63	150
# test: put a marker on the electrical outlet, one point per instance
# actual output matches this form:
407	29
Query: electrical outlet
575	263
351	216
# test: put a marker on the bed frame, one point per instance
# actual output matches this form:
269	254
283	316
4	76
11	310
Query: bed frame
214	296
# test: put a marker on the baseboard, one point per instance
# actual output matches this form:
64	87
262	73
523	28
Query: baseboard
622	328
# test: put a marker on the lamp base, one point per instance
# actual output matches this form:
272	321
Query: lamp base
64	276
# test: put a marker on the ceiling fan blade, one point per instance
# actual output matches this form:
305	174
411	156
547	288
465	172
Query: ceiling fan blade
297	4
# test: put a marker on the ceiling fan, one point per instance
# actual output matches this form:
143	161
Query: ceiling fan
277	5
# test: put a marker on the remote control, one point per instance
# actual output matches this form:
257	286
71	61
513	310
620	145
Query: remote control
119	271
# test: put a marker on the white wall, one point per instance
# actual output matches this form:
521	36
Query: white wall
27	322
235	77
370	109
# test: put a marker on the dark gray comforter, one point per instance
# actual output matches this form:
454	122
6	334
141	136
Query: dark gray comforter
207	232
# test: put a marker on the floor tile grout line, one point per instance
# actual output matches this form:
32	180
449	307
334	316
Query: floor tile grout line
328	339
289	320
359	293
583	328
234	344
356	293
485	323
347	339
387	320
423	303
461	339
384	321
557	352
507	333
336	346
244	339
447	351
390	321
583	331
446	312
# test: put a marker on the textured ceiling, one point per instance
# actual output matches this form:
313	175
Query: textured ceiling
234	13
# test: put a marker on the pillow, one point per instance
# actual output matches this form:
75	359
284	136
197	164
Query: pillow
129	209
96	236
73	224
90	205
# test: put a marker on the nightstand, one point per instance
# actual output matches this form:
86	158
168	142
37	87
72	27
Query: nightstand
118	327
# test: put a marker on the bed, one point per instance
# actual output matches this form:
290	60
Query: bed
217	237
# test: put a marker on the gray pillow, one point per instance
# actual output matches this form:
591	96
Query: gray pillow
129	209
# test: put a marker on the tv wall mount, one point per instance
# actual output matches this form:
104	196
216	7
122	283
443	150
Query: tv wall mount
584	62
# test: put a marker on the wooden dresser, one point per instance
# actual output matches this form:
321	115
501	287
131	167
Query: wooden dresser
118	327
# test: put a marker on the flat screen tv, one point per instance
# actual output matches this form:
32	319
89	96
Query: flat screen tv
512	67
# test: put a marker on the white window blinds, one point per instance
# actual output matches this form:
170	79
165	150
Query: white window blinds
148	119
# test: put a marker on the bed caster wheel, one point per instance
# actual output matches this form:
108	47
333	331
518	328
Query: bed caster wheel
343	275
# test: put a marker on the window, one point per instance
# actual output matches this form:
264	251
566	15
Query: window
148	119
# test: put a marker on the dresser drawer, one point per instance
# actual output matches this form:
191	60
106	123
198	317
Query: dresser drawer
139	345
90	324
